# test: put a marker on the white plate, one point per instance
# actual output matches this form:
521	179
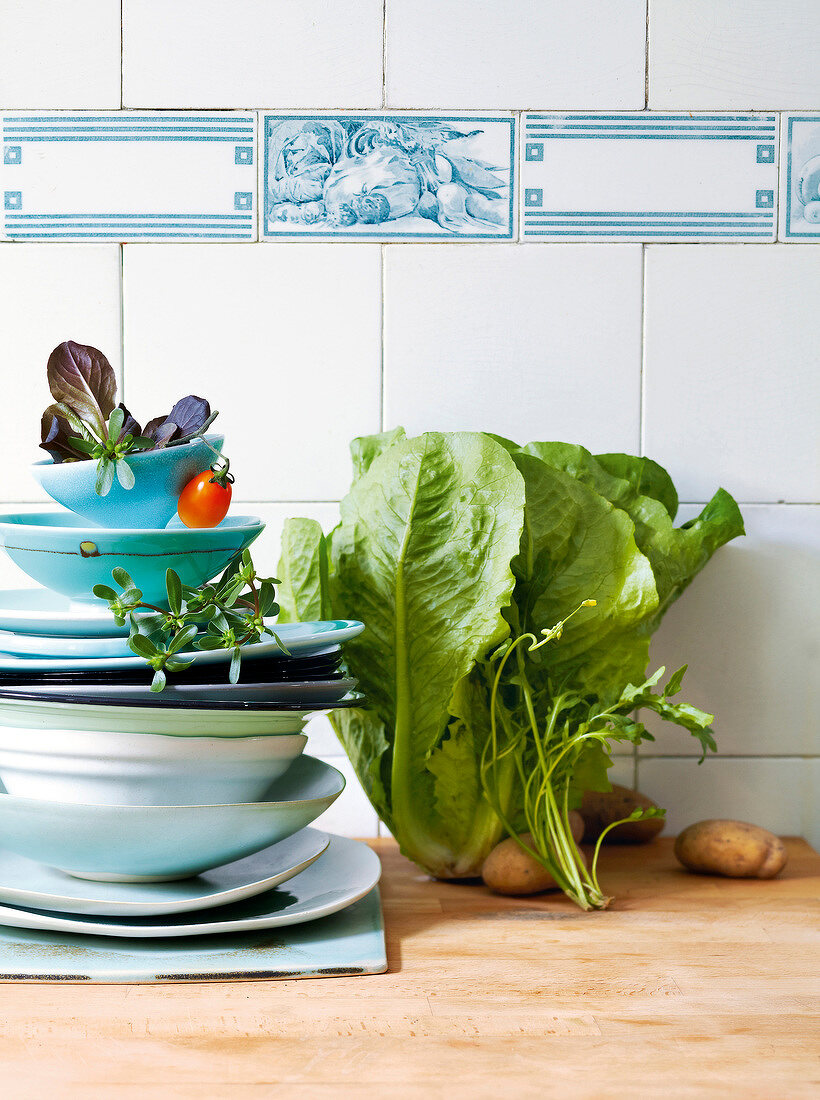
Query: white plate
302	639
24	882
41	611
287	691
346	872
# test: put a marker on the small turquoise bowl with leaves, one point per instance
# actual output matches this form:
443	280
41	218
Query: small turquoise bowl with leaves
159	478
66	555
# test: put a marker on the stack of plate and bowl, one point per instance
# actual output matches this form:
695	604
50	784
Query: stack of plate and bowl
126	812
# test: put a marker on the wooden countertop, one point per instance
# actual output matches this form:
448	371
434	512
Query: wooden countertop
688	987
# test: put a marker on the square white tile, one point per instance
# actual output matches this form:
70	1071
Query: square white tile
57	54
800	176
205	53
129	176
765	792
748	629
746	54
515	55
645	177
50	293
387	177
731	384
530	343
285	341
351	814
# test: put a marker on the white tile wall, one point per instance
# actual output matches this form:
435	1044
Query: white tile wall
351	814
765	792
749	630
730	369
522	53
205	53
513	340
743	54
284	341
50	293
705	357
54	54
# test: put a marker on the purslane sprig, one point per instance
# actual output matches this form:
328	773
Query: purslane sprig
232	609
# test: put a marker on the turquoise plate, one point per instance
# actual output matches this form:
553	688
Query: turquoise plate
299	639
24	882
346	944
346	872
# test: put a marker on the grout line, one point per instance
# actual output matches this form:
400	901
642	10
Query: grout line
122	53
646	62
384	54
122	320
383	302
642	383
732	756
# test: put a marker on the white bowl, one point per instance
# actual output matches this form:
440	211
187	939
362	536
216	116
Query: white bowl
179	722
138	769
162	843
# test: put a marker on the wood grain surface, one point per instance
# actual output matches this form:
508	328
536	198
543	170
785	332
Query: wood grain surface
689	986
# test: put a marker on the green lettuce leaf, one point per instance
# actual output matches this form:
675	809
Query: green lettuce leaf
303	591
422	556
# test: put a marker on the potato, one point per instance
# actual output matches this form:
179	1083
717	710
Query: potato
577	826
732	848
508	869
601	808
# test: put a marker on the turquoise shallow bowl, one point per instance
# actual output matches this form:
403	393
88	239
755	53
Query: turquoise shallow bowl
144	843
63	553
159	478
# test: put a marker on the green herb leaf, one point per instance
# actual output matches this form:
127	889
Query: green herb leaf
125	474
105	477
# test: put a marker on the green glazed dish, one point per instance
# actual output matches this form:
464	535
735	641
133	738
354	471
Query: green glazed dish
61	552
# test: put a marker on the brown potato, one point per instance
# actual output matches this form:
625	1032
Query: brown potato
601	808
508	869
732	848
577	826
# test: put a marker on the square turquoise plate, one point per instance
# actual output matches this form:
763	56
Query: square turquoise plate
348	943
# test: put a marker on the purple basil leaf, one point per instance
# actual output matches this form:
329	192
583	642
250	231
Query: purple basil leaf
129	426
56	435
82	377
190	413
161	429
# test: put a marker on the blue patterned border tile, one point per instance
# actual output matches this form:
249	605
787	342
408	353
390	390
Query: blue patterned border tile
396	176
800	178
648	177
129	176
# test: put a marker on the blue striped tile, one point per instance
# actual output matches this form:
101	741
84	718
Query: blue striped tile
647	177
129	176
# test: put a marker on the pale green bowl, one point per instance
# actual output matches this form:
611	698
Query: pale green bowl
63	553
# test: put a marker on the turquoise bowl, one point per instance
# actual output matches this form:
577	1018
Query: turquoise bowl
159	478
155	843
63	554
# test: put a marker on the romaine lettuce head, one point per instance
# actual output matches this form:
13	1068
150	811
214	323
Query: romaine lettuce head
448	543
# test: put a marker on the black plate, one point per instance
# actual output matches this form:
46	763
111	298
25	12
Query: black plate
269	670
356	700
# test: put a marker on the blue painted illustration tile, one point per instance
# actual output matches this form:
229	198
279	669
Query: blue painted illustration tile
349	943
800	175
129	176
387	177
649	177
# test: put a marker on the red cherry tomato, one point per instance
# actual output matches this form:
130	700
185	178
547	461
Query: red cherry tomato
205	499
